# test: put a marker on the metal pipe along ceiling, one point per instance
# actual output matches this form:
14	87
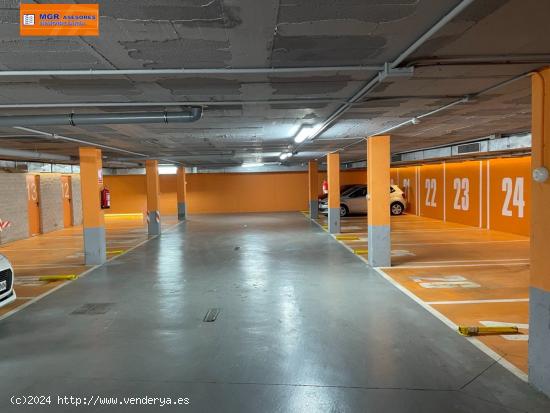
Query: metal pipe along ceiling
329	122
22	154
191	115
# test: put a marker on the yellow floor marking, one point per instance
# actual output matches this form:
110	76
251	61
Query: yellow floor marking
58	277
479	331
347	237
360	252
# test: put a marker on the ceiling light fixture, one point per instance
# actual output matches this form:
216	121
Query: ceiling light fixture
305	132
252	164
285	155
167	169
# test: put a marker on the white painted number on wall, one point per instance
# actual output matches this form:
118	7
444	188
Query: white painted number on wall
32	193
462	194
514	196
66	192
431	190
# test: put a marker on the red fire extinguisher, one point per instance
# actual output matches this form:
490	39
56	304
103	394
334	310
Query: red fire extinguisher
325	187
105	199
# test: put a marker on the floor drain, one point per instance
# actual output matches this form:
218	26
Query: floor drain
211	315
93	309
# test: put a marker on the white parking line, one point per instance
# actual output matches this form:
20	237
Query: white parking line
53	265
495	264
502	300
476	342
88	271
462	242
38	249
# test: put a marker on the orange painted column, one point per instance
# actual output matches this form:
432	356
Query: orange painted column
378	201
181	189
539	303
93	222
313	189
153	197
333	178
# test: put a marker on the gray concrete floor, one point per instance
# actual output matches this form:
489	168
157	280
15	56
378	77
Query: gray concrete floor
304	327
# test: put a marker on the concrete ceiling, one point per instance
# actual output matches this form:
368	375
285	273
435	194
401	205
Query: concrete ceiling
255	116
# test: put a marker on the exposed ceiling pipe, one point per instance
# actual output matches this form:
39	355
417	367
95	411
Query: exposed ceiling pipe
434	29
188	72
520	59
115	163
464	99
223	154
305	101
48	135
33	155
387	69
74	119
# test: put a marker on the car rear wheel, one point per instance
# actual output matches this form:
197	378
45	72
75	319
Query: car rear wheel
396	208
344	211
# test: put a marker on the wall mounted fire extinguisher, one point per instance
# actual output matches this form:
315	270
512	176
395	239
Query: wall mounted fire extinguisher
105	199
325	187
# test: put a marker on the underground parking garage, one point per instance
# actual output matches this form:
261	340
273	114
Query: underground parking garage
275	206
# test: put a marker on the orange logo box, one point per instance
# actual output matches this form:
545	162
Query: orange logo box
59	20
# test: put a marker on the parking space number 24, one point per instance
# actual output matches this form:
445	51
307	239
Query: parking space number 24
514	196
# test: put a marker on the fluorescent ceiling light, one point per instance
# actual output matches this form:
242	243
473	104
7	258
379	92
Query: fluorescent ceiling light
168	170
305	133
252	164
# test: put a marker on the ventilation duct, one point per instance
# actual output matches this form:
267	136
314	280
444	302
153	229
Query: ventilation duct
468	148
33	155
189	115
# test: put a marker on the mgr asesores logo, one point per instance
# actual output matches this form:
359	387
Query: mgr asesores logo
59	19
28	20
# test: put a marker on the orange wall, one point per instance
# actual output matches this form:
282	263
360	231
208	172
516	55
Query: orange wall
487	191
432	191
247	192
491	193
405	178
462	185
223	192
510	195
128	193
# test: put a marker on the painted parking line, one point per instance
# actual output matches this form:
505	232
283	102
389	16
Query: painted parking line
502	300
29	284
475	341
503	264
461	242
450	296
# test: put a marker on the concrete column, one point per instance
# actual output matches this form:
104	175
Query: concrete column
378	175
313	190
539	304
181	188
333	178
153	197
93	221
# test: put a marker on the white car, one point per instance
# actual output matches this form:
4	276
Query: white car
354	201
7	294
